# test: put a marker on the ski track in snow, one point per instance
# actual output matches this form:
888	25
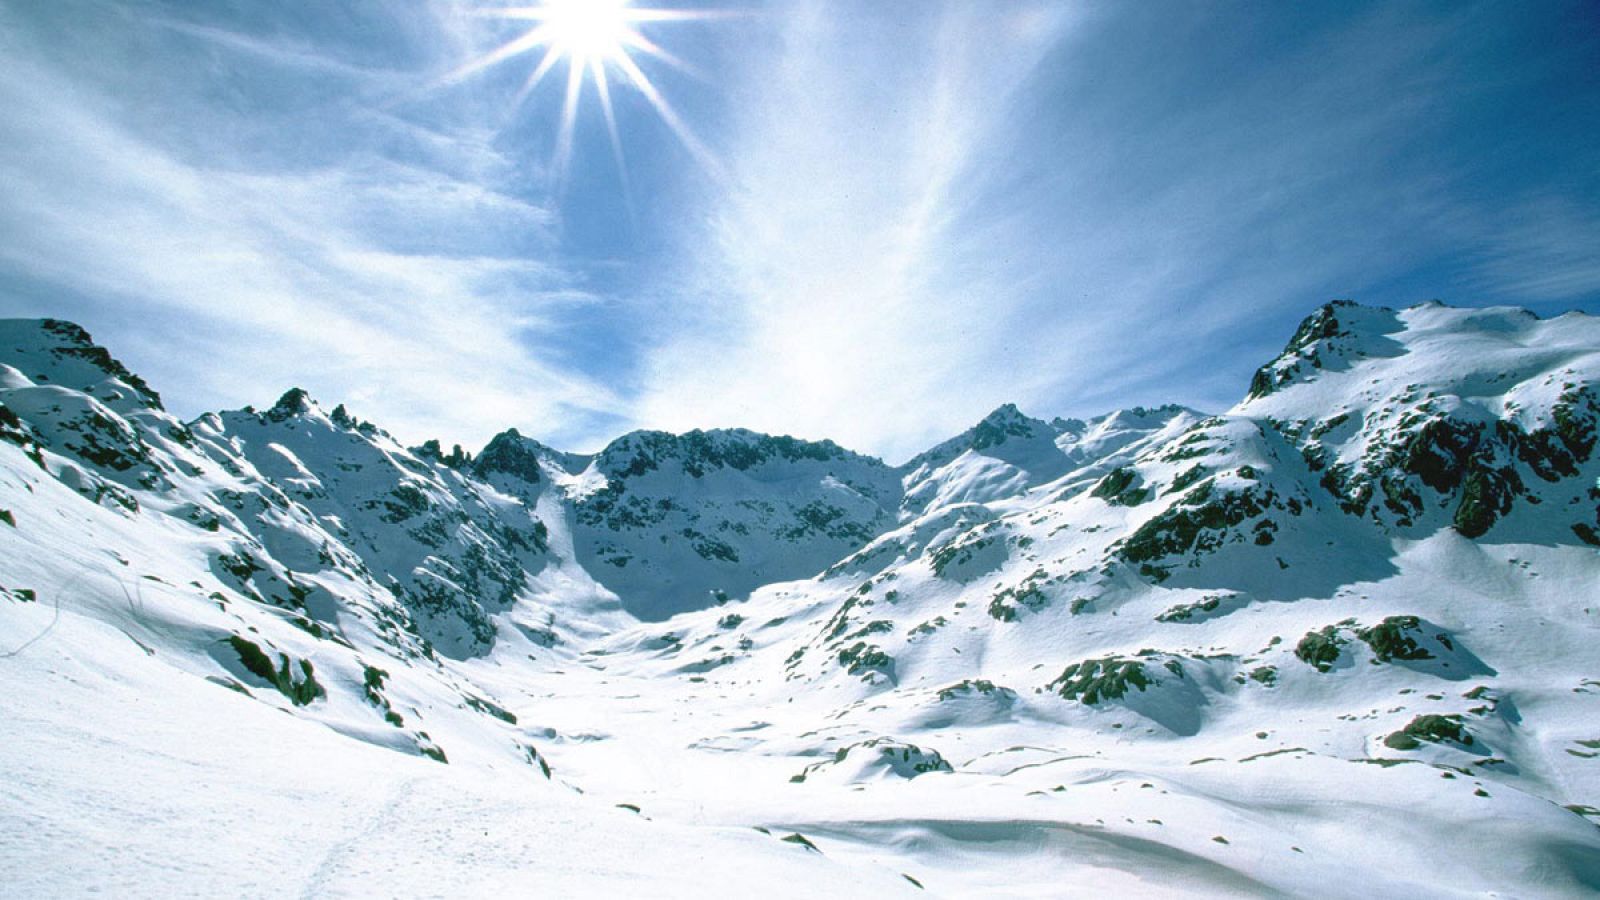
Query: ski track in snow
381	818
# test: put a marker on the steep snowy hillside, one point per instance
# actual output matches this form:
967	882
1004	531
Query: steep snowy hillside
261	579
451	552
1151	653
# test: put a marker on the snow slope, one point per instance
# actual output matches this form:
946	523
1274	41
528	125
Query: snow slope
1155	653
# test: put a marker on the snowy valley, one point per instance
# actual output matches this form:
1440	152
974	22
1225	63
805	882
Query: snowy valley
1339	640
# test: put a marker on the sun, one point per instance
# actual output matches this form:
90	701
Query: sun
597	39
585	30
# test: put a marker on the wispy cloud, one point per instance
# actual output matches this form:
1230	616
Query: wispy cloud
941	207
1544	250
825	305
414	293
915	211
279	52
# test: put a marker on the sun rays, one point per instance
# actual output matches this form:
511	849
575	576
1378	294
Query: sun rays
597	40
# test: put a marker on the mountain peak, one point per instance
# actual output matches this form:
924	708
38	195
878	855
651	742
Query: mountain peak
1330	337
512	454
1006	412
55	351
432	449
294	402
1006	422
1143	416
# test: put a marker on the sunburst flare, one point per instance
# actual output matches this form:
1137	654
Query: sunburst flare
597	39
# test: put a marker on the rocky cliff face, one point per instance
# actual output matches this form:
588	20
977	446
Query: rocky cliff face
1434	416
680	522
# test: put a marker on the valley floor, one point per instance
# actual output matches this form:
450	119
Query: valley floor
121	779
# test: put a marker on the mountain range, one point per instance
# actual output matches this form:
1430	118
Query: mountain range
1338	640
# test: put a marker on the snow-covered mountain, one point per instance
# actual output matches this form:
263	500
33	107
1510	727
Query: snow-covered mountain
1008	454
679	522
1155	652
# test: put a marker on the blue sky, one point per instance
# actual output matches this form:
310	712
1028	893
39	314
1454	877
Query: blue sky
901	214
